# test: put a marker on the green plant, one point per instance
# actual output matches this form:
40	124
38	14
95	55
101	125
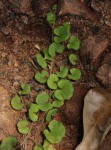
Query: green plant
34	108
75	74
8	143
74	43
25	89
22	126
55	133
73	59
16	103
58	84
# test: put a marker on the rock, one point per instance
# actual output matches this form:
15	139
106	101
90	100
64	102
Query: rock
104	72
103	9
8	117
96	118
75	7
42	7
92	50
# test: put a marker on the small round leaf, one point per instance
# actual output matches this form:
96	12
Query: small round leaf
42	77
25	89
55	133
52	81
16	103
51	18
75	74
22	126
63	72
50	114
73	59
74	43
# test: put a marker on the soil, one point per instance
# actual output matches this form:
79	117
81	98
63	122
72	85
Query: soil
22	26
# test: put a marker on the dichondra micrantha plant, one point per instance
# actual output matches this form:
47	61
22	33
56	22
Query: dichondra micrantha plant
59	84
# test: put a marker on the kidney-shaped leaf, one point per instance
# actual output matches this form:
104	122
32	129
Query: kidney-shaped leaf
63	72
54	47
16	103
73	59
62	33
58	103
51	18
22	126
52	81
55	133
42	101
75	74
66	90
34	108
42	77
74	43
33	117
46	54
8	143
25	89
42	98
41	61
50	114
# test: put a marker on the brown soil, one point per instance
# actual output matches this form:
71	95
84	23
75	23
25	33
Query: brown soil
22	26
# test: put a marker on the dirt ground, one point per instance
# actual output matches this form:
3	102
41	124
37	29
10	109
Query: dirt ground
22	26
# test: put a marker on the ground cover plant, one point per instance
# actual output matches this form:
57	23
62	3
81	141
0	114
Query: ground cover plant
59	86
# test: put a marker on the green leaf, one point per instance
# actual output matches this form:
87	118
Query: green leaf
42	101
25	89
66	90
48	146
45	107
51	18
50	114
54	47
42	98
34	108
22	126
16	103
58	95
41	61
38	147
58	103
46	54
54	7
42	77
75	74
55	133
73	59
63	72
8	143
74	43
62	33
52	81
33	117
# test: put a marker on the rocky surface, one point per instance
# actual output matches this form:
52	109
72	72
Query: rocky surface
103	10
104	72
23	25
92	51
75	8
8	117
